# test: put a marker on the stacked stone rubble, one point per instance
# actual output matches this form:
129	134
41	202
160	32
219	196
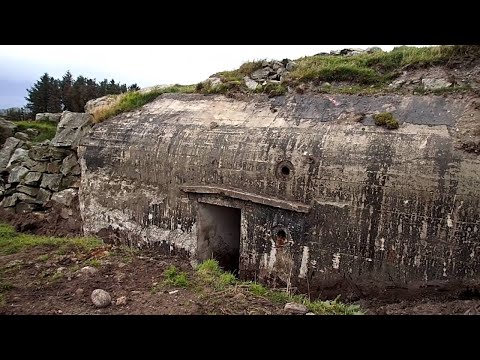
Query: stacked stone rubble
37	177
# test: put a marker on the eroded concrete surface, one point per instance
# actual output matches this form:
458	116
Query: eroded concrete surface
358	203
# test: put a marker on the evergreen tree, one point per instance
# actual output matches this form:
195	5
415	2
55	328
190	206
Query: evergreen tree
133	87
44	95
53	95
67	84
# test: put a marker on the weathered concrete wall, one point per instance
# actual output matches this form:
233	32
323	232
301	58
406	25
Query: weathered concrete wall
355	200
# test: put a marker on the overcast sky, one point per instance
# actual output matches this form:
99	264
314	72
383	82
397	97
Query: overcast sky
22	65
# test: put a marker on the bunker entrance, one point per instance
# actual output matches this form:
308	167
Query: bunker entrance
219	235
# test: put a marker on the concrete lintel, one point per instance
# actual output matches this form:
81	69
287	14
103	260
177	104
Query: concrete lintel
237	194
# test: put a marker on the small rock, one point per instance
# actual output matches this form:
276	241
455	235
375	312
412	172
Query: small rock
121	265
435	83
310	313
214	81
295	308
260	74
240	296
17	174
135	292
88	270
31	132
32	178
79	291
251	84
122	300
60	312
22	136
291	65
173	292
373	50
101	298
471	311
65	197
13	263
61	269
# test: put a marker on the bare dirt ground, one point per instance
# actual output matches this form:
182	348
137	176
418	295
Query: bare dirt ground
56	285
44	280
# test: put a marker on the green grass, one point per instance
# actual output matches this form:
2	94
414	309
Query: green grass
12	242
365	73
209	272
386	119
46	129
319	307
43	258
362	74
175	277
134	99
378	68
92	262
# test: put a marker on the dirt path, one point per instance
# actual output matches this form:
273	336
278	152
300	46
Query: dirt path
50	280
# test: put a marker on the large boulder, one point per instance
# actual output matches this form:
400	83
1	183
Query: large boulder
7	129
71	129
54	117
100	103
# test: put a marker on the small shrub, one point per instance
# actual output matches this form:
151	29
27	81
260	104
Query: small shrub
258	289
209	267
174	277
227	279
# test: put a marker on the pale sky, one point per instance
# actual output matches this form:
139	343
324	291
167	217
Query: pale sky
147	65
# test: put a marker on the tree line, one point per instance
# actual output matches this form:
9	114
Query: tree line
56	95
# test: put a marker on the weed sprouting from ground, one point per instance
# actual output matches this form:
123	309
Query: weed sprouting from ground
175	277
210	272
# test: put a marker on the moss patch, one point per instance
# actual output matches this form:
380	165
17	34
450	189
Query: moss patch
387	120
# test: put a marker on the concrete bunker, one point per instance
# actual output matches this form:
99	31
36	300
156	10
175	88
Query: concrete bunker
318	199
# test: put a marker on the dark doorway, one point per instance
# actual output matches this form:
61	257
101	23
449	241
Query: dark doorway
218	235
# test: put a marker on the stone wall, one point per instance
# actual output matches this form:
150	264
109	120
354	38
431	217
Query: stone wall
39	182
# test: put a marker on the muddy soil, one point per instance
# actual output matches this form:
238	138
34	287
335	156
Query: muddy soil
41	280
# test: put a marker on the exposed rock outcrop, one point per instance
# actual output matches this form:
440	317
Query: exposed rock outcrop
71	128
7	129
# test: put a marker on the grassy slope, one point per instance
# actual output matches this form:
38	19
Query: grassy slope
365	73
